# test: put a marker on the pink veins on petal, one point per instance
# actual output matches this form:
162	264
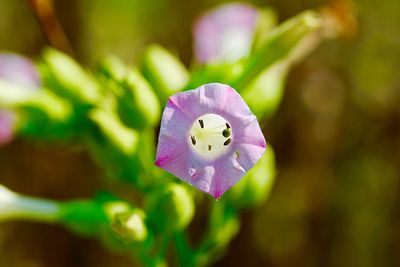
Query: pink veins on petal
209	138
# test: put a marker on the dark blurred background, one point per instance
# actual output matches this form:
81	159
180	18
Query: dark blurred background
336	138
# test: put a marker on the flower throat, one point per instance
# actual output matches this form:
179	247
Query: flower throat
210	136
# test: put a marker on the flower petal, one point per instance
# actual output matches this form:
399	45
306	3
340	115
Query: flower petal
175	122
249	154
20	70
250	132
178	159
172	155
228	173
209	98
225	33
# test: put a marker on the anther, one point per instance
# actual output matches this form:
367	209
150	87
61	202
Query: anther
237	153
193	140
227	125
227	142
209	147
226	133
201	124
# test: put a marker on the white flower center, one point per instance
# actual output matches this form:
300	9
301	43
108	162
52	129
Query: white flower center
210	136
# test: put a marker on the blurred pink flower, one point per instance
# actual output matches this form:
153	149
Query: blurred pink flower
225	33
21	71
209	138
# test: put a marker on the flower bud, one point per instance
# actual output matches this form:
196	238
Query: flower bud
170	208
46	115
115	146
164	71
129	226
264	94
65	76
137	105
118	136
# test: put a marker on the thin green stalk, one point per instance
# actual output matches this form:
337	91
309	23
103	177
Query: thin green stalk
17	207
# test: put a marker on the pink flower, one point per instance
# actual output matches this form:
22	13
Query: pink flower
209	138
225	33
19	70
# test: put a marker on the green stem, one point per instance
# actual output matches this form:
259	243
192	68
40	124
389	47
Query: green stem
184	252
16	207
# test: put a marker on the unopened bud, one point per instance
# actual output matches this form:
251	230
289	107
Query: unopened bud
129	226
170	208
164	71
68	78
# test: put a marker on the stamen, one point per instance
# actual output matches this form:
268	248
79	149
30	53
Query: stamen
207	135
227	142
226	133
237	153
201	123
